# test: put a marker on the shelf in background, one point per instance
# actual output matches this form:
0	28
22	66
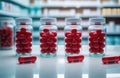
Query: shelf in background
17	3
113	33
9	14
111	16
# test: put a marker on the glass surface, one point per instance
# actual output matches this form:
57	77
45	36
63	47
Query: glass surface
58	67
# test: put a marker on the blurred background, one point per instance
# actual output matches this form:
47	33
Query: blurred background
61	9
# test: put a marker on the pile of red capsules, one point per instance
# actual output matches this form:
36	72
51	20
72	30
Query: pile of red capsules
48	41
97	41
6	39
73	40
23	41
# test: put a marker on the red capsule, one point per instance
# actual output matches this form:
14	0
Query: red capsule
27	59
111	60
73	59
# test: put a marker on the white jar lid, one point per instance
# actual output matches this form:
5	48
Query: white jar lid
7	20
49	21
94	21
24	20
73	21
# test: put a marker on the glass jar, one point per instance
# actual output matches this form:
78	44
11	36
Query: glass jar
73	33
97	33
23	36
6	33
48	37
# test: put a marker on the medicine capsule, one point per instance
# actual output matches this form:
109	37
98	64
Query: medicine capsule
72	59
110	60
27	59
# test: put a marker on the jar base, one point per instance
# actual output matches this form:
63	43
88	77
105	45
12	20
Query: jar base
48	55
96	55
18	55
68	54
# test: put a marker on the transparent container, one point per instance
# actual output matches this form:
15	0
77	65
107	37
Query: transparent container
97	37
48	37
73	36
23	36
6	33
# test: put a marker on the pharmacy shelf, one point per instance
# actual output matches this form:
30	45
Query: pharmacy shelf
16	3
111	16
110	5
5	13
65	5
113	33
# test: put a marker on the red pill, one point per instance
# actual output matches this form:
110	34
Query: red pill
27	59
67	34
46	30
74	31
98	31
111	60
73	59
23	29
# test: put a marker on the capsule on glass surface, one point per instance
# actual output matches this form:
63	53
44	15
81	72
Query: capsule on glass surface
27	59
111	59
73	59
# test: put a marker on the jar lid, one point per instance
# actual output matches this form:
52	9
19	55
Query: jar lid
7	20
73	21
47	21
96	21
23	21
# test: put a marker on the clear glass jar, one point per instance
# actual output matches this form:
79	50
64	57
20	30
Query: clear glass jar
73	33
48	37
23	36
6	33
97	36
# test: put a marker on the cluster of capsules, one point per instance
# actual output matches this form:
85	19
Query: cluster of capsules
97	41
6	37
23	37
48	37
48	41
73	40
73	36
97	36
6	33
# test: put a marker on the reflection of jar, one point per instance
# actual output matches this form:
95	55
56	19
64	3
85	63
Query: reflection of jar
23	36
97	33
48	37
6	33
73	33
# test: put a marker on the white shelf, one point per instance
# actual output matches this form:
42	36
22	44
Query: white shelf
9	13
113	16
17	3
110	5
113	33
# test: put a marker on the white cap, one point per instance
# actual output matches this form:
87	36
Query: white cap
25	20
97	20
7	20
46	20
73	20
